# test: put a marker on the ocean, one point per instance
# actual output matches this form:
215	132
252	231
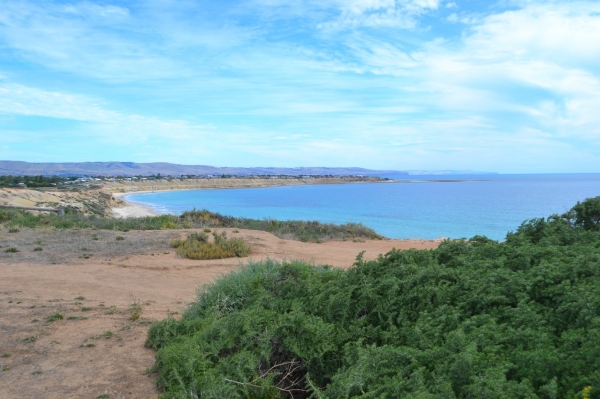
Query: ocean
489	205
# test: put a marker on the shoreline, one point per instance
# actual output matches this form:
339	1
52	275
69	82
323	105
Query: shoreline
131	209
135	209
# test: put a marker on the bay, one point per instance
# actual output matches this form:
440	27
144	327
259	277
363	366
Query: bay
488	205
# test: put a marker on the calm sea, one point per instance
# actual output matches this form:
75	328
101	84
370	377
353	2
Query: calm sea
421	209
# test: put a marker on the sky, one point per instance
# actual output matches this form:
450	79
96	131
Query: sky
510	86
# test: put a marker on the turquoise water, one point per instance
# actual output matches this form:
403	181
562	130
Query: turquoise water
420	209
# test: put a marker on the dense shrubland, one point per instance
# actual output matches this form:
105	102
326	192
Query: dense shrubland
307	231
471	319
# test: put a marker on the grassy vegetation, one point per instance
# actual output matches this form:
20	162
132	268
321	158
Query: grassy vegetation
135	310
198	246
293	229
54	317
104	335
471	319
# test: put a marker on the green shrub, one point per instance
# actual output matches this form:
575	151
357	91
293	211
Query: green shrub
471	319
198	246
11	250
308	231
54	317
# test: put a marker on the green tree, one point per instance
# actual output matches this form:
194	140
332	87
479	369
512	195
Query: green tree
587	214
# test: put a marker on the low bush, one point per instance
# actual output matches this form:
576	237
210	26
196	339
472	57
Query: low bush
198	246
307	231
54	317
471	319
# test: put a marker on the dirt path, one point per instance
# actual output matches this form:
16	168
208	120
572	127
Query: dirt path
96	350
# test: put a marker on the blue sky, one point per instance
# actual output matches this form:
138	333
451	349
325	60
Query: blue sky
506	86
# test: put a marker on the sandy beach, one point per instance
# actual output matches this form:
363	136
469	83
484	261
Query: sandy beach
131	209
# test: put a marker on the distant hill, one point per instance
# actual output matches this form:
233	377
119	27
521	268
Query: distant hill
164	168
447	172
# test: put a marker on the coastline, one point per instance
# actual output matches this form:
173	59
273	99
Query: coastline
140	186
131	209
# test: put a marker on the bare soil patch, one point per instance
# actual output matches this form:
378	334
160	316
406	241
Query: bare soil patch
96	349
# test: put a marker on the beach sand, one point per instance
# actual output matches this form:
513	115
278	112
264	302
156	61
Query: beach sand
131	209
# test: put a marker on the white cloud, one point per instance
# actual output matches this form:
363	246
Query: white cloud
90	10
562	33
113	43
100	121
540	62
347	14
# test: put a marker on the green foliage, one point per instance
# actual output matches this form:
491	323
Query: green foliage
76	318
31	181
17	218
104	335
30	339
307	231
198	246
587	214
54	317
471	319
